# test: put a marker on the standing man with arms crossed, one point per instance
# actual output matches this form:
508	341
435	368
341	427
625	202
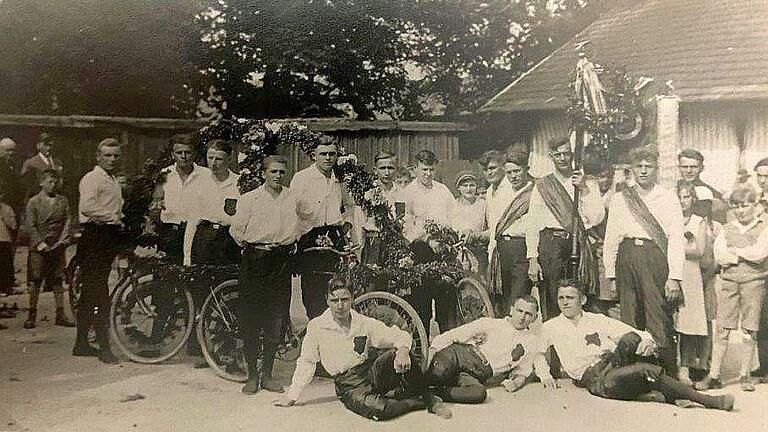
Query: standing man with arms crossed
548	235
325	212
644	254
342	340
100	208
265	226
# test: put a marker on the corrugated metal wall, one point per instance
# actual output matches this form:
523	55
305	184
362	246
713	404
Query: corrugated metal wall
755	136
713	132
549	125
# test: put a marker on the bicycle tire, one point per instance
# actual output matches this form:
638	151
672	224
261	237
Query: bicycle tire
211	314
366	303
481	306
72	278
121	341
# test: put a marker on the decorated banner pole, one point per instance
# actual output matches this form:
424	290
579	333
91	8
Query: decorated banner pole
578	151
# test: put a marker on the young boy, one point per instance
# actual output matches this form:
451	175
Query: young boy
47	223
741	249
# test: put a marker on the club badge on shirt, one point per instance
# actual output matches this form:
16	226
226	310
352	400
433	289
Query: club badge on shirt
593	339
360	343
230	206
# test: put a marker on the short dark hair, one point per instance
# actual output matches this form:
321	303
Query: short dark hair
517	156
491	156
761	163
743	193
50	172
556	143
338	282
528	299
220	145
383	154
689	186
182	138
274	159
571	282
643	153
690	153
427	157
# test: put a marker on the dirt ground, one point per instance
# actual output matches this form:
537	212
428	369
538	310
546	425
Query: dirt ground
44	388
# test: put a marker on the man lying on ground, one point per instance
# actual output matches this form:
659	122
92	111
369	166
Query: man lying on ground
341	339
465	358
611	359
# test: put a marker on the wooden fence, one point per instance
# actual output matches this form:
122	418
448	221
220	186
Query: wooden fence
76	137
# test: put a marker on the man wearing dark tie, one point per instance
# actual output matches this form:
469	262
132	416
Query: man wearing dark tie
32	169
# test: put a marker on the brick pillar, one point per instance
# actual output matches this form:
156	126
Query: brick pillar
668	138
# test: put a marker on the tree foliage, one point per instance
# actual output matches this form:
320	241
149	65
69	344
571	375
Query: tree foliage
399	58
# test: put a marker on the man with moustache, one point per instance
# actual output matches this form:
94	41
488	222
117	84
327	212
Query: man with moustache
644	253
183	182
207	239
265	226
508	200
549	234
325	216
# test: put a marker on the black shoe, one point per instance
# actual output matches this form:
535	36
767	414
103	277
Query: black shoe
85	351
62	321
270	384
107	357
438	407
251	387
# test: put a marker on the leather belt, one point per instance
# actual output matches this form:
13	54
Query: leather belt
176	226
506	237
639	241
216	226
557	232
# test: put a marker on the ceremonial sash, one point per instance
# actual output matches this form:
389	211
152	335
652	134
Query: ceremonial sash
645	218
516	209
560	204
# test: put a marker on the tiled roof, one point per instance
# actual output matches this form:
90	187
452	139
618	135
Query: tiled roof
710	49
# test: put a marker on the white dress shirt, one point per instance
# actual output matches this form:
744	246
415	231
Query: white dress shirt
101	199
591	210
212	195
320	199
327	342
468	217
580	344
497	340
425	203
181	199
262	218
665	207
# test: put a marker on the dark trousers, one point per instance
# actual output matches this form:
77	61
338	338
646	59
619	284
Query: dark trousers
459	373
762	338
316	269
641	276
265	296
213	245
171	241
363	388
444	297
372	248
554	257
97	248
514	273
6	266
624	375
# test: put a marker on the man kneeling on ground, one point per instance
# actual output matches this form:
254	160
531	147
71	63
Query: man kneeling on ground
465	358
611	359
342	340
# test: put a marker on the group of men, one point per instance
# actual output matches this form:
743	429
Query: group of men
275	231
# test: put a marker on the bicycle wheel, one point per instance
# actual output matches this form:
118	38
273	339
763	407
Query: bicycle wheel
219	333
392	310
473	301
150	323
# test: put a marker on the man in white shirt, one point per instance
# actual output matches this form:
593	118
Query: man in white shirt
343	341
464	358
611	359
207	239
644	252
180	196
100	213
508	203
425	198
325	216
265	225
